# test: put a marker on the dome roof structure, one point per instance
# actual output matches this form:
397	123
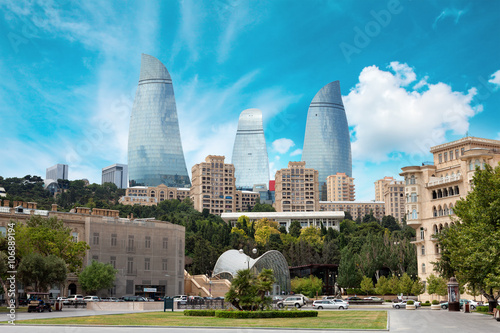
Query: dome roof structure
231	261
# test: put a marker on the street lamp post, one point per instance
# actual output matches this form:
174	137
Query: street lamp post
254	251
210	288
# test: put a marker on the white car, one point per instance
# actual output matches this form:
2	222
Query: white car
402	304
91	299
75	298
297	301
330	304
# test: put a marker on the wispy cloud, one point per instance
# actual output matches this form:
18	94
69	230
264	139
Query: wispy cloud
283	145
495	79
450	12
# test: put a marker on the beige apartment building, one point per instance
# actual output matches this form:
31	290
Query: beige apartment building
340	187
355	208
149	196
431	192
392	192
213	188
296	189
148	254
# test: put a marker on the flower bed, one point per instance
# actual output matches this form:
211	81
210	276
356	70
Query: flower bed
250	314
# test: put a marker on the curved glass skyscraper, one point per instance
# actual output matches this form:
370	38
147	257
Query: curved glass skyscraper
327	146
155	153
250	159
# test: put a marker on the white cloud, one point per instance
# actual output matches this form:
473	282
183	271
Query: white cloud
387	117
450	12
282	145
495	79
296	152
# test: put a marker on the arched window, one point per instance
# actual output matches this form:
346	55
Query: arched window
422	233
450	191
436	249
446	225
434	211
423	268
484	165
471	166
423	250
435	229
440	193
440	211
152	194
412	180
445	192
445	210
451	209
477	164
457	192
434	194
414	214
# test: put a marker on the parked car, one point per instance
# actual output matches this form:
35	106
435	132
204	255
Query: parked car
297	301
330	297
181	299
354	298
64	300
109	299
374	298
133	298
75	298
473	305
402	304
91	299
330	304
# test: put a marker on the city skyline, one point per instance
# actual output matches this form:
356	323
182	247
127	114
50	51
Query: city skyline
413	74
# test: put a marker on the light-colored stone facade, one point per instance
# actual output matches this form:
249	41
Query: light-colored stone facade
149	196
355	208
213	188
340	187
296	189
431	192
146	253
392	192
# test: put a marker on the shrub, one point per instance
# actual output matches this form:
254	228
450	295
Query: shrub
265	314
435	302
410	302
427	303
200	313
482	308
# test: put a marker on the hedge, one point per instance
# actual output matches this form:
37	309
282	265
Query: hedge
435	302
484	308
265	314
200	313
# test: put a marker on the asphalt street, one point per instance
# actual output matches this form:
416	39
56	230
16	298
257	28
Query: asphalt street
418	321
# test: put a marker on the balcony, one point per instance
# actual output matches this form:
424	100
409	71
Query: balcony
444	180
413	223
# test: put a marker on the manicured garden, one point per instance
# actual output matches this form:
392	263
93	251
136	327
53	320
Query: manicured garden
324	320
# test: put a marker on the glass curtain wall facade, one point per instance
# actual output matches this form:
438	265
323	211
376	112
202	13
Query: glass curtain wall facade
249	158
327	146
155	154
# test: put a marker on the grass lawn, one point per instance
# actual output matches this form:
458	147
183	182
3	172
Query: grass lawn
20	309
325	319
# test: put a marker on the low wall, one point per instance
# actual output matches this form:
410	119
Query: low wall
124	306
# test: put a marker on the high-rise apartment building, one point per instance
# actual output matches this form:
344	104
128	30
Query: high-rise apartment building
116	174
357	209
152	195
214	188
431	192
340	187
327	146
250	158
296	189
155	154
392	192
58	171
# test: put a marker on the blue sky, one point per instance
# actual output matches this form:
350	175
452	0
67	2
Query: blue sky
413	74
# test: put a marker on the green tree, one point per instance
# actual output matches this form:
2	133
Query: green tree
41	271
349	276
470	248
248	291
366	285
417	287
309	286
97	276
405	284
436	285
382	286
294	229
394	285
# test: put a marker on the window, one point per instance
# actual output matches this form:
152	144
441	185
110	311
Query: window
451	155
130	265
95	239
147	264
112	261
456	153
75	237
414	214
147	243
440	158
164	265
95	258
412	180
130	242
423	268
446	157
422	232
165	243
414	197
423	250
113	239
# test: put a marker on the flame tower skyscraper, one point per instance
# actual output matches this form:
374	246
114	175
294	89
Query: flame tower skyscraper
327	146
250	160
155	154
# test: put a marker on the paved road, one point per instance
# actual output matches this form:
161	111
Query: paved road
419	321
